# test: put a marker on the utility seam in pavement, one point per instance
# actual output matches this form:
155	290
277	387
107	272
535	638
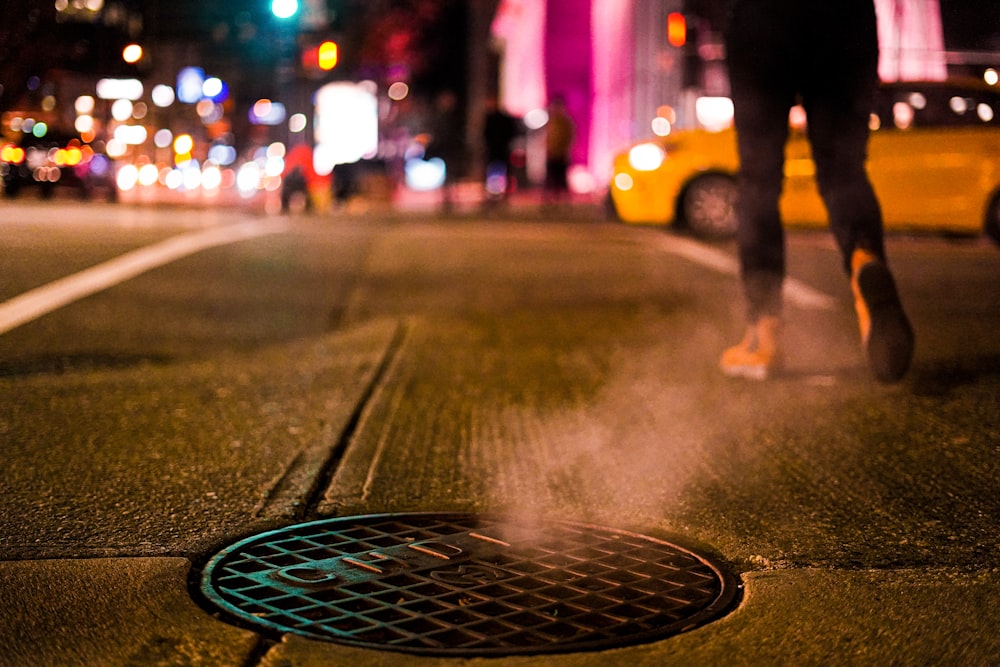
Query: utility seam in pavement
323	478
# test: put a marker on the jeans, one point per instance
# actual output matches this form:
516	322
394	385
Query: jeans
824	55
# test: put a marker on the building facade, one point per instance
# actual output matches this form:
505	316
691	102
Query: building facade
623	68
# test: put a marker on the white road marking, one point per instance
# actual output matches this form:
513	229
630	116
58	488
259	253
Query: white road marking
47	298
796	292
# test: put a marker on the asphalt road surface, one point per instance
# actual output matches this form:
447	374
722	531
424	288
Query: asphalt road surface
222	373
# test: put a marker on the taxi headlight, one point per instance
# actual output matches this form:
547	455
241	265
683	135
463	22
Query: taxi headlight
646	157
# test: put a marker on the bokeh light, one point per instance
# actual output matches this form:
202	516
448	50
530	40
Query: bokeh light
284	9
121	110
398	91
163	95
183	144
132	53
297	122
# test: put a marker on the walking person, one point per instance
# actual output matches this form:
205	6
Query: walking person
499	130
824	55
559	134
446	141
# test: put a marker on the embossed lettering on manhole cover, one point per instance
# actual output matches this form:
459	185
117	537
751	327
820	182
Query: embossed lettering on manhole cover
465	584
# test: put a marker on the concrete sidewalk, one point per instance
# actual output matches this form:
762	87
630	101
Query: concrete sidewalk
137	611
601	423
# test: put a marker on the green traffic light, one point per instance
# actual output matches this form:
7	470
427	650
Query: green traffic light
284	9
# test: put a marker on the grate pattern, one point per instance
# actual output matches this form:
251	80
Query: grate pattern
462	584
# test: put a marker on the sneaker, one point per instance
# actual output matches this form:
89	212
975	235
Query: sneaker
886	334
756	357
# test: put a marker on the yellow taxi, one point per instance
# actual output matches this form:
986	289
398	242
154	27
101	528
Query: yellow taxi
934	161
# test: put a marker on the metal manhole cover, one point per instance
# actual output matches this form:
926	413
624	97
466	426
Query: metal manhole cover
465	584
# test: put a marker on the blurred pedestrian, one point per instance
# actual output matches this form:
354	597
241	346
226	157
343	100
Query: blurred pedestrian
822	54
559	135
295	181
446	141
499	131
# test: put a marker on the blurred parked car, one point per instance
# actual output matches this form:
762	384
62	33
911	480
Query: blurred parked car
934	160
52	162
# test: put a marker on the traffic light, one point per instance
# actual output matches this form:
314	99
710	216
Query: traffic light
284	9
321	57
676	29
327	55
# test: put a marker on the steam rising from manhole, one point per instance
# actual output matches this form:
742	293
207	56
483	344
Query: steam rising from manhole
466	585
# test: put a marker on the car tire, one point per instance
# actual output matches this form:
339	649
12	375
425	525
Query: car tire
991	225
707	206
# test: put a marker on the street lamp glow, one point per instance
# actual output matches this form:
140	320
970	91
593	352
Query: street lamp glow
284	9
132	53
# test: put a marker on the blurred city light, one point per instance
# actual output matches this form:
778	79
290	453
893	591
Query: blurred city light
209	111
222	154
266	112
797	117
248	178
328	55
84	104
119	89
536	119
676	29
284	9
346	125
398	91
132	135
275	150
191	175
215	89
127	177
163	95
132	53
297	122
163	138
190	82
714	113
121	110
115	148
148	175
623	181
183	144
211	177
991	76
646	157
11	153
580	180
902	114
425	175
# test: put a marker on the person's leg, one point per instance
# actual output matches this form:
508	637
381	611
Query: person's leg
838	90
762	95
838	110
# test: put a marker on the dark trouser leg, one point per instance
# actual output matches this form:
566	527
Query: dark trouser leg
838	101
762	93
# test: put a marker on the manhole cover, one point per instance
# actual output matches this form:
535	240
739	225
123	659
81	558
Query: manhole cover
463	584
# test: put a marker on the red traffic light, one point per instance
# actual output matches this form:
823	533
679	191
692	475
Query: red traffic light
676	29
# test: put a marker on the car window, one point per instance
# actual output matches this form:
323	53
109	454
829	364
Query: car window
905	107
